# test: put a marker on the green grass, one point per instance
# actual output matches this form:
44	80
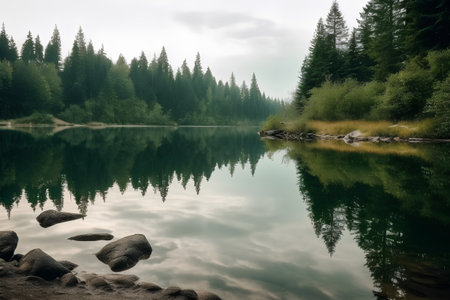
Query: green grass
404	129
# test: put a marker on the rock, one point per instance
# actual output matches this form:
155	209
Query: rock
271	132
98	282
124	254
8	244
351	136
171	291
125	281
151	287
189	294
92	237
68	264
5	268
203	295
38	263
17	257
69	280
51	217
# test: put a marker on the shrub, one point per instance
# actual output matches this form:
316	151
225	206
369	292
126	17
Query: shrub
343	101
36	118
439	62
439	105
75	114
407	93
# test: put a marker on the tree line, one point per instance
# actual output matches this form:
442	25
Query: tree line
88	86
395	65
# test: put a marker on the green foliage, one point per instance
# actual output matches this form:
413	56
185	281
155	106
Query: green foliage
407	92
27	54
5	89
29	88
439	62
53	49
439	106
36	118
345	101
75	114
4	44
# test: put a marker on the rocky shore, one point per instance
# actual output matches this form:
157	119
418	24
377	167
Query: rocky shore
36	275
352	137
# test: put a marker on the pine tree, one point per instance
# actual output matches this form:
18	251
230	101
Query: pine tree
254	98
53	49
315	68
38	50
13	52
27	53
385	47
4	44
336	28
354	68
426	25
197	77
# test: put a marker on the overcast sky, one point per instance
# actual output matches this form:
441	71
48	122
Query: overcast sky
267	37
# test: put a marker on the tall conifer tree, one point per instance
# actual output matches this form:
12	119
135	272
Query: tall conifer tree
27	53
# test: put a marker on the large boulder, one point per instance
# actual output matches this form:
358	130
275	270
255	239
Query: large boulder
38	263
8	244
92	237
51	217
124	254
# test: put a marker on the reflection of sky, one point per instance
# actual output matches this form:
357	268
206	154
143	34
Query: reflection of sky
242	237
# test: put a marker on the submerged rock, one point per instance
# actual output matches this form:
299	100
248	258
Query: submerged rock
203	295
124	254
68	264
38	263
8	244
51	217
92	237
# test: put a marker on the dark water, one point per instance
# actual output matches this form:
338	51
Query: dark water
245	218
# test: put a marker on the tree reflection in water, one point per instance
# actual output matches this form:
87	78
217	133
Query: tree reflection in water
397	207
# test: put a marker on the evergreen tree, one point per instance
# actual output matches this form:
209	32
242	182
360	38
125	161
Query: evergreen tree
354	64
4	44
13	53
254	99
73	77
53	49
336	28
197	78
27	53
38	50
384	48
163	81
315	68
426	25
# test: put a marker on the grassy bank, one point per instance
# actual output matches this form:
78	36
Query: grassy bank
404	129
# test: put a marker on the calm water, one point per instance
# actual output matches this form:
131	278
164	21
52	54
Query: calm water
245	218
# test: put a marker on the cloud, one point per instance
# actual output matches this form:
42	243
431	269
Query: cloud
232	25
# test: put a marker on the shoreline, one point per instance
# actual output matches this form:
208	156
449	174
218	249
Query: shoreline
351	137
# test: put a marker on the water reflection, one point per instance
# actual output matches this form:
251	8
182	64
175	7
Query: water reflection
90	161
285	231
396	206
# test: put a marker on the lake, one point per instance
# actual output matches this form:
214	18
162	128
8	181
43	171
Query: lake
242	217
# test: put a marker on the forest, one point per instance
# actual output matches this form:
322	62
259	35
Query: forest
394	66
87	86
